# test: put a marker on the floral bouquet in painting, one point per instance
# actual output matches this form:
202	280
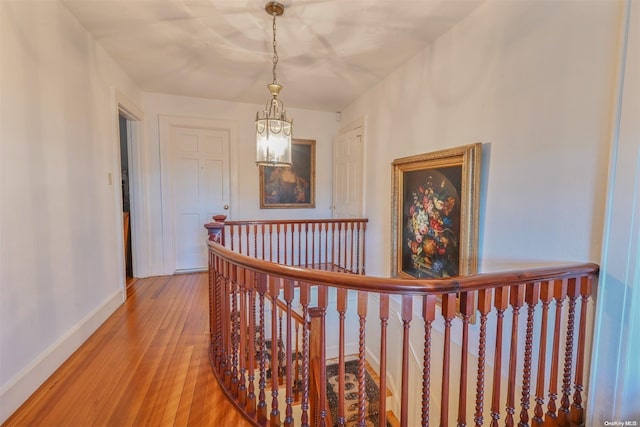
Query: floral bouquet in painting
431	228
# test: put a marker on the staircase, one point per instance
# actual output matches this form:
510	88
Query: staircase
349	406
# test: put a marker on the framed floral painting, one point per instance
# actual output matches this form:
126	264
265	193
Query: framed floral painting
292	186
435	213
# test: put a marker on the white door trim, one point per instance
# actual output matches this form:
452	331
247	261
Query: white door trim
140	251
166	172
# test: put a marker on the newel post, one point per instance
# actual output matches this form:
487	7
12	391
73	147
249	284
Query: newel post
215	229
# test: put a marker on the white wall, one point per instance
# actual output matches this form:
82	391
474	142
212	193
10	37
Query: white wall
535	82
245	201
531	80
60	272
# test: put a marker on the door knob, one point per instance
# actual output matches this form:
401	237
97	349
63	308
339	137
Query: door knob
226	207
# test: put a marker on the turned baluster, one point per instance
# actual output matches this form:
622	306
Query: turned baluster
296	381
304	404
228	325
288	246
288	298
362	391
263	253
333	244
213	303
242	337
304	230
255	241
573	291
292	244
235	329
306	245
358	263
532	297
270	241
577	415
317	360
262	351
219	340
313	243
274	291
466	310
219	295
251	241
232	234
449	313
278	237
325	229
364	246
517	300
251	352
214	312
299	244
240	236
345	243
484	307
384	319
349	232
559	294
340	254
281	356
248	239
342	309
500	303
546	295
429	315
323	299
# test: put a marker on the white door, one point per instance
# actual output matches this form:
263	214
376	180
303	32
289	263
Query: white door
348	174
200	160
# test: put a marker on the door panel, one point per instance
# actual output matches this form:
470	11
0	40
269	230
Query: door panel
348	175
200	159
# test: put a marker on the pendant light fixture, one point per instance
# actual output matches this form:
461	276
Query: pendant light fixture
273	130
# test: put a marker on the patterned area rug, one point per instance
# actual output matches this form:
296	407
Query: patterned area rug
351	395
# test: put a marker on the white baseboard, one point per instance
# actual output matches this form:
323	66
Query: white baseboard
18	389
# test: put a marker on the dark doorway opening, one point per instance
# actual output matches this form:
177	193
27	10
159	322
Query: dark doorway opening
126	197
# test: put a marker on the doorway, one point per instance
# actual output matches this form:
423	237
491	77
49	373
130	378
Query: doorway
126	198
128	188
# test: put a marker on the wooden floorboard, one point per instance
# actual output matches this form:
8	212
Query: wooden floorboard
147	365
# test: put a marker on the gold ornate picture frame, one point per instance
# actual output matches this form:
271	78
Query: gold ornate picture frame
292	186
435	213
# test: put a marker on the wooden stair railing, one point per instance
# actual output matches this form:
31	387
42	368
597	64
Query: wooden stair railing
521	363
324	243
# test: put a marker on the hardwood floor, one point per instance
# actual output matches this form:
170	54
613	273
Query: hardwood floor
147	365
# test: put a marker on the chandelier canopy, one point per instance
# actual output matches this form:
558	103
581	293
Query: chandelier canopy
273	129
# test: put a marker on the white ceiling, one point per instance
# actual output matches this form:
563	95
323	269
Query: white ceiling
330	51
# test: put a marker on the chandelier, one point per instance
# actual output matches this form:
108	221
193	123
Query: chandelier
273	130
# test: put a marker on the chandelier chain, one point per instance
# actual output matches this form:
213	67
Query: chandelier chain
275	51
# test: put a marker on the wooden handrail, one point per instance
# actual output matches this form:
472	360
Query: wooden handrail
252	302
401	285
296	221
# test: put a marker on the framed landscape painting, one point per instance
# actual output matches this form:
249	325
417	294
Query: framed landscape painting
435	213
291	186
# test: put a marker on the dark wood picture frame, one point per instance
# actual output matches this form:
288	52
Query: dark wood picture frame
292	186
